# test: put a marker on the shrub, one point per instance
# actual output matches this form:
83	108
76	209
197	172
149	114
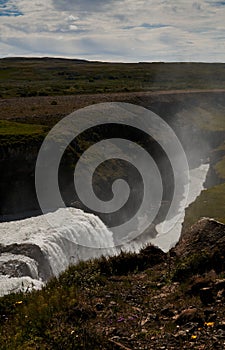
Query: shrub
197	263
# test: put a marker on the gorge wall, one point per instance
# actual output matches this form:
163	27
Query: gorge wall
197	119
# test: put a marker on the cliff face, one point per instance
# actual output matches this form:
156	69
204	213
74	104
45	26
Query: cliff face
17	189
200	250
197	119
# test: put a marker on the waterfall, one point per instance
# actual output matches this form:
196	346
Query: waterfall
33	250
196	186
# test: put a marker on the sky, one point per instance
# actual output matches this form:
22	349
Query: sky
114	30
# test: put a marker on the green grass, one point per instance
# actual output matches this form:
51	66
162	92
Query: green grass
220	168
13	128
210	203
18	134
49	77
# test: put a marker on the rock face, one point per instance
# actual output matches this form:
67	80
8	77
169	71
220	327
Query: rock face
187	113
202	246
206	235
32	251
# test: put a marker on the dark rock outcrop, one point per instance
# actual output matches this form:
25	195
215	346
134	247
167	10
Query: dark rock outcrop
201	248
206	235
34	252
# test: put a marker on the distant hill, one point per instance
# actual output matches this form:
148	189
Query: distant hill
43	59
25	77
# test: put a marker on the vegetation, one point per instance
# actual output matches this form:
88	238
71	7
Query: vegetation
8	128
220	168
60	315
197	263
20	133
210	203
26	77
105	303
123	302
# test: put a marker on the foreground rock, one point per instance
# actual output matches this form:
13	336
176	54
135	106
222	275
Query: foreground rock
202	247
207	234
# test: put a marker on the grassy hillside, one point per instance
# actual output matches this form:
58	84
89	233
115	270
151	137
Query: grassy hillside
19	133
22	77
211	203
126	302
8	128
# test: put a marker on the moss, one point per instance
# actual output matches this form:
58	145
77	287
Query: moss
8	128
13	133
220	168
210	203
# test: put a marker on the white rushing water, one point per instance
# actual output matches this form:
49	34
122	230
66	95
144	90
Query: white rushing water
60	244
18	284
69	240
168	240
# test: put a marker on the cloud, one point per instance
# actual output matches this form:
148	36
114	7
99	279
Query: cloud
118	30
147	26
83	5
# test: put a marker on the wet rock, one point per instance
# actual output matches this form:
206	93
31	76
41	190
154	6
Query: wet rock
15	268
32	251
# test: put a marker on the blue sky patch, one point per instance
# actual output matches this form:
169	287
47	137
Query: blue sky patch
8	10
147	26
217	3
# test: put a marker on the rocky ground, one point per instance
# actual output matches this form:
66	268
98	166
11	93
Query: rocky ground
45	108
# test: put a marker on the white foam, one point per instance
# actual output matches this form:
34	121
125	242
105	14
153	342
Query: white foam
18	284
74	236
167	240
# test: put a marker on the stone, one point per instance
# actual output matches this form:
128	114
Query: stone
181	334
112	304
167	311
189	315
207	295
99	306
197	283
